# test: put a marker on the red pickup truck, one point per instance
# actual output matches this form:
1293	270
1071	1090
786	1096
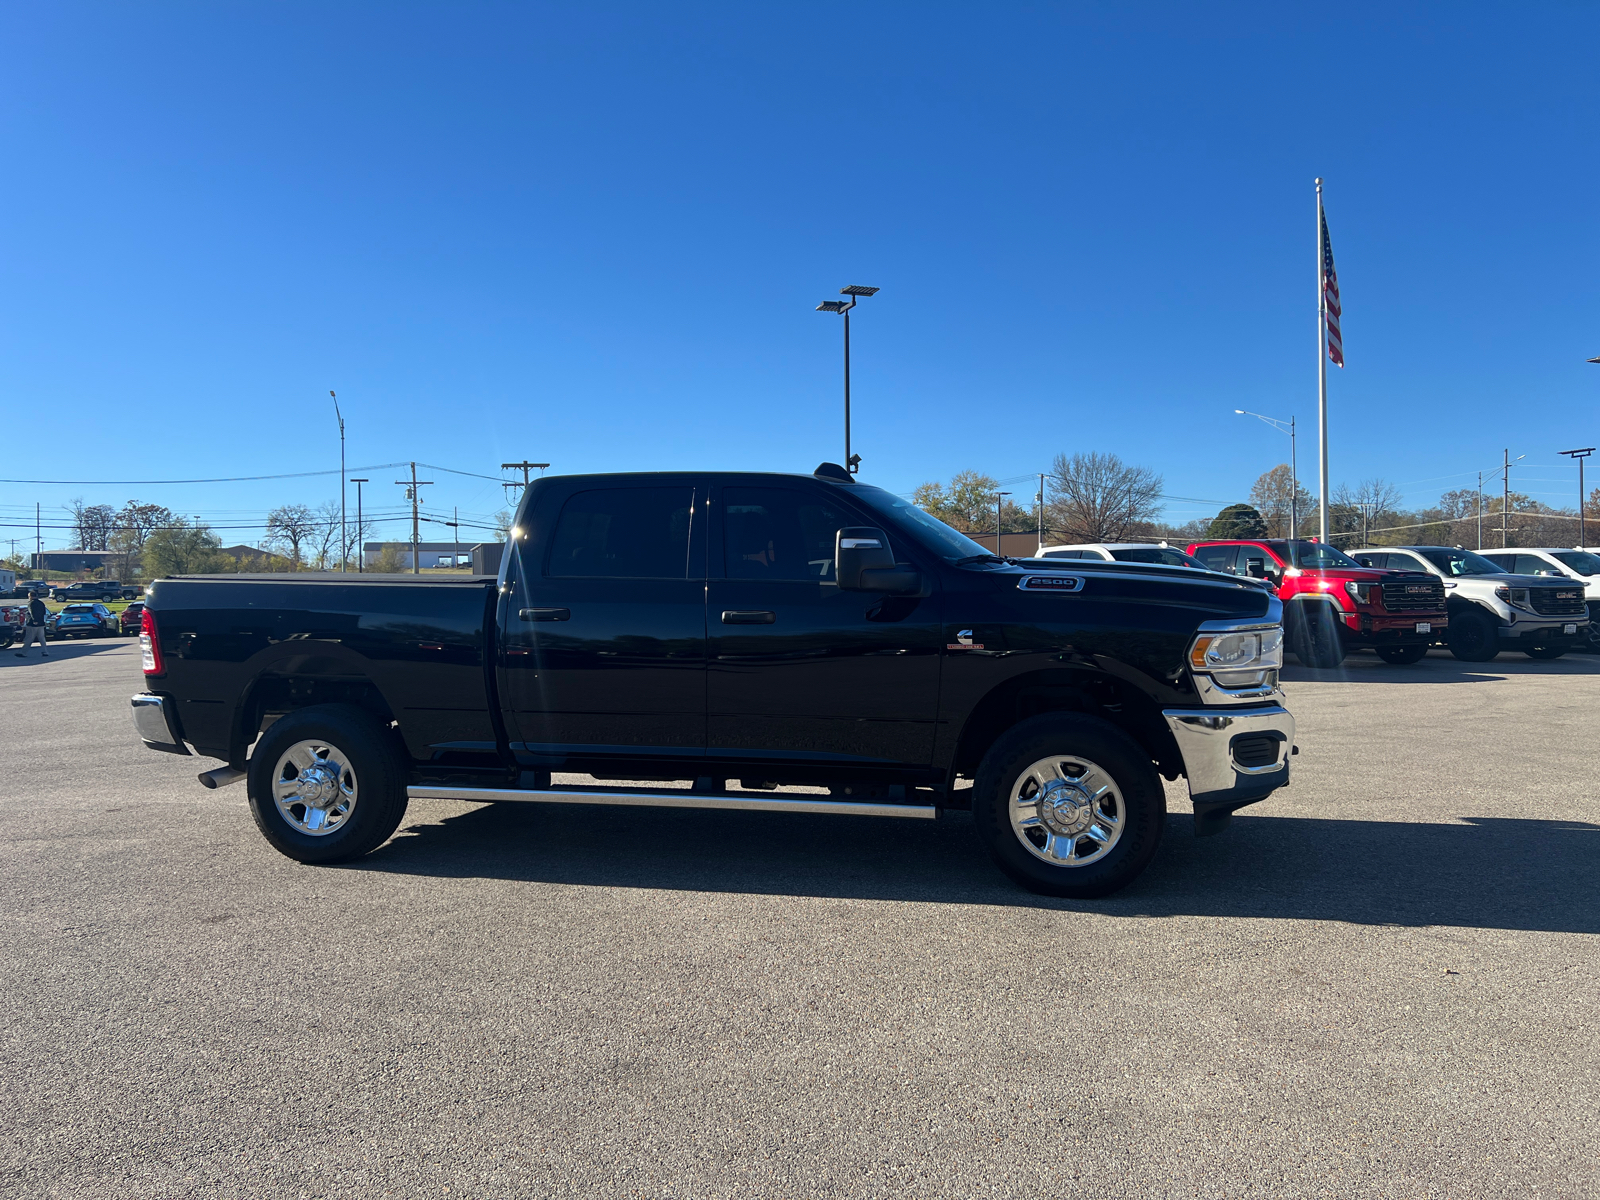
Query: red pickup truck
1332	603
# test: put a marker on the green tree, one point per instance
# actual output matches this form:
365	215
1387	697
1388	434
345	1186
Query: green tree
182	548
967	503
389	562
1237	521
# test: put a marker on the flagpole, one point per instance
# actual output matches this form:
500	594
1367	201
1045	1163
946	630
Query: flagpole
1322	378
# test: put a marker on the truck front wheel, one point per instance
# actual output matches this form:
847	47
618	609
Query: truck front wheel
1473	637
1069	806
1314	635
327	783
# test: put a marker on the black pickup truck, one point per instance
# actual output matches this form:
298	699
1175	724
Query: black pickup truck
721	640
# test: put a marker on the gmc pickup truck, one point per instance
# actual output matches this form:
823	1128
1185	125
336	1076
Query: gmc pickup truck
704	640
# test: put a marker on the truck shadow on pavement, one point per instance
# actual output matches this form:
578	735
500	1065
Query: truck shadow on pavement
1485	872
1439	667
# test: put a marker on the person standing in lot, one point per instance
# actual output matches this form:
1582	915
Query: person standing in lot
33	628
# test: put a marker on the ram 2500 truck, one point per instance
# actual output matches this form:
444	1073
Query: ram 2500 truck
703	639
1332	603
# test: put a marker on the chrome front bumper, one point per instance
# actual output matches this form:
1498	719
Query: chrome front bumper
156	723
1209	740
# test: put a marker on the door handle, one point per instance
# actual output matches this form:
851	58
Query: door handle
545	614
749	617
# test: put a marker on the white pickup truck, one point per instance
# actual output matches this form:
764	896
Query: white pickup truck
1490	609
1553	562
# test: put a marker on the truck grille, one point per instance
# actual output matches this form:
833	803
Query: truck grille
1558	601
1255	749
1413	593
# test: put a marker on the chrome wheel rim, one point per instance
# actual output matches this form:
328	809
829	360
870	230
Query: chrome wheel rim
1067	811
314	787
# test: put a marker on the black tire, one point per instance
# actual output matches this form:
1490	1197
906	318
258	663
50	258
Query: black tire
1473	636
1314	635
1069	737
1545	653
1403	656
374	755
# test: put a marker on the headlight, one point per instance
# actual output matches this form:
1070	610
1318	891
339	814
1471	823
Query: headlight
1237	654
1358	591
1516	597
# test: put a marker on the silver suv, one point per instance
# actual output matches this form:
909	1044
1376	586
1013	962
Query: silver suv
1490	609
1554	562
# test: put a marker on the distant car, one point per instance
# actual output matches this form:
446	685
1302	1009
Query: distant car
82	620
132	591
1140	552
129	621
12	617
90	589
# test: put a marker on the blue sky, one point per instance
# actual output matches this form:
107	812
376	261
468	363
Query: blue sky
595	235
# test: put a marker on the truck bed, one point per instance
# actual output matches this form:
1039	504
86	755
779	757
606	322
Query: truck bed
404	646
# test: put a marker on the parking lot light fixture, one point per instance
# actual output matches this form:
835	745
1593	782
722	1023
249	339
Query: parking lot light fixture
1580	455
1294	466
852	462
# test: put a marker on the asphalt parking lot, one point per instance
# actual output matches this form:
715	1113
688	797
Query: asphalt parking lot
1381	982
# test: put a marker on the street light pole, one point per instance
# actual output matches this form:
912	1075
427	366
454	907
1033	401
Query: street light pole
852	462
361	553
1580	455
999	505
1294	466
344	537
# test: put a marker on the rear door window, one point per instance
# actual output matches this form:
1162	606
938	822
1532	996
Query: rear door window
1218	558
637	533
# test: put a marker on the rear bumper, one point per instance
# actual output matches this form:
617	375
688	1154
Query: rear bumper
155	721
1212	742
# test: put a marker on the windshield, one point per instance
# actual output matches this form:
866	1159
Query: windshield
1157	554
1580	561
1461	562
1312	554
924	528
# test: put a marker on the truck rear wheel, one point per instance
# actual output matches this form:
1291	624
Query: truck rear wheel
1403	656
327	783
1473	637
1069	806
1314	635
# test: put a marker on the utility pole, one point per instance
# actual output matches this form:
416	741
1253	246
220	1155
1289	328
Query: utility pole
415	496
1480	510
1505	502
361	550
38	536
455	545
525	467
999	505
1580	455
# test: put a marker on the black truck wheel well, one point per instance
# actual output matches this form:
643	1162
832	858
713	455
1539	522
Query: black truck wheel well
1098	695
272	696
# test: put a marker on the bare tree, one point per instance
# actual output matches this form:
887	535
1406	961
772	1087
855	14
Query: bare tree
140	520
324	539
290	526
1270	497
92	524
1099	498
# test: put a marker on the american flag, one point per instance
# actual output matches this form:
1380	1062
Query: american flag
1330	297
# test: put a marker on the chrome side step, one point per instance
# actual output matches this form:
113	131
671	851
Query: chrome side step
676	799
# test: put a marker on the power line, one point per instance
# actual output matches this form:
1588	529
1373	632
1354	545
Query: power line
167	482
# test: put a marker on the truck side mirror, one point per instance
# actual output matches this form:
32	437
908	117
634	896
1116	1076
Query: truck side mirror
863	562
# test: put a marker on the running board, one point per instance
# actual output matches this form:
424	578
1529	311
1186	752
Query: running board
675	799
